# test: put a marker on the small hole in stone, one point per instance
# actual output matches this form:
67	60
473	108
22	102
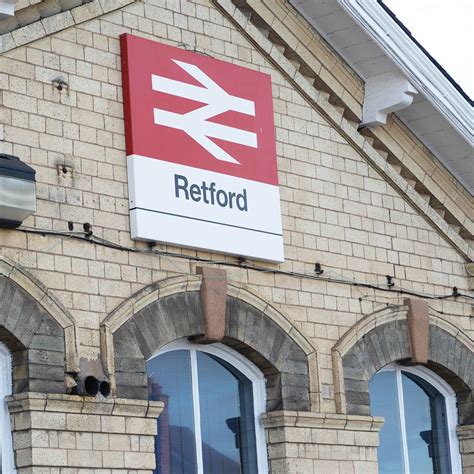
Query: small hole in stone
104	388
91	386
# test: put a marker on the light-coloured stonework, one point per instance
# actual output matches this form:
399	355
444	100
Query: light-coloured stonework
343	205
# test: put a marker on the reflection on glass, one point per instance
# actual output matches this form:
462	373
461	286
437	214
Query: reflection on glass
423	424
418	426
384	402
426	426
227	425
225	404
169	381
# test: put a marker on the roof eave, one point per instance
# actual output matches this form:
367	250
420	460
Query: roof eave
420	70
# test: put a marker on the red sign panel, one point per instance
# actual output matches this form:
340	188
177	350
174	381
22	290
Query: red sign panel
193	110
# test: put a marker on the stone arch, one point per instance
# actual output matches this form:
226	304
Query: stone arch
382	338
36	330
147	322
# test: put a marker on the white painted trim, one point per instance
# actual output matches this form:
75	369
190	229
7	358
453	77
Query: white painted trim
7	8
6	448
421	72
403	426
384	94
451	405
196	412
253	373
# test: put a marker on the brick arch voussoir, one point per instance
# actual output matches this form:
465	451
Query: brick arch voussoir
281	359
34	338
453	360
380	346
450	356
248	330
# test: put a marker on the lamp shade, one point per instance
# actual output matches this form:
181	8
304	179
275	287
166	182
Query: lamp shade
17	191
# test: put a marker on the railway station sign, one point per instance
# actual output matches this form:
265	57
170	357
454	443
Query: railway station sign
201	153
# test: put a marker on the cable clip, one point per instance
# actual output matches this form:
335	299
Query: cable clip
87	229
317	269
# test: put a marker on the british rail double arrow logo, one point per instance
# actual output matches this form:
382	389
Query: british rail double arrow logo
196	123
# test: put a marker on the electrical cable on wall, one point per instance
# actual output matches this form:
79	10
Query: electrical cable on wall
93	239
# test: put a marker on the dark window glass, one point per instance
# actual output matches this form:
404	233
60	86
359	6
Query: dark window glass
227	418
420	415
384	402
226	413
425	419
169	381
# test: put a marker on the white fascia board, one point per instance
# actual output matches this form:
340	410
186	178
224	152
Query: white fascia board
7	8
421	72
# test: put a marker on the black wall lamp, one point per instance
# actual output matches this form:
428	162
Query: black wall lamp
17	191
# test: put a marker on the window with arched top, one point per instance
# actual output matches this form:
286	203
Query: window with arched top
419	433
6	450
213	401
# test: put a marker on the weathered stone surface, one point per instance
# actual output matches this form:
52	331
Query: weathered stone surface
35	339
387	343
89	433
213	301
418	320
455	363
247	330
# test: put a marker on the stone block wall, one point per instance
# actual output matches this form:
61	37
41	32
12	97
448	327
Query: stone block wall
62	434
34	338
337	209
466	446
302	442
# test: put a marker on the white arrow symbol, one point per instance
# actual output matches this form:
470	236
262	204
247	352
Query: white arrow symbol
195	123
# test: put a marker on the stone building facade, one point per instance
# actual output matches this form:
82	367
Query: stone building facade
362	202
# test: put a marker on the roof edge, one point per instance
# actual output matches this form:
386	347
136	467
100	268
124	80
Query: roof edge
413	61
426	52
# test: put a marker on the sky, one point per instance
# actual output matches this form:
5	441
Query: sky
445	28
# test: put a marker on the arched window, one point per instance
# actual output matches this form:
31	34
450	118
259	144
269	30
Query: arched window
419	433
213	402
6	451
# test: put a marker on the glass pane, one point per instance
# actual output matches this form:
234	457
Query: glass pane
384	402
169	380
227	418
425	420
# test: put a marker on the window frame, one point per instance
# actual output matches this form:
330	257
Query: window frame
6	447
450	404
243	365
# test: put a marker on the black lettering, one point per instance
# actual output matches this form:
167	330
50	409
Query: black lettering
242	201
212	188
178	187
204	192
195	192
209	194
222	202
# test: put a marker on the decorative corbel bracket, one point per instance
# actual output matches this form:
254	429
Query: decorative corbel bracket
213	304
418	322
384	94
7	8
